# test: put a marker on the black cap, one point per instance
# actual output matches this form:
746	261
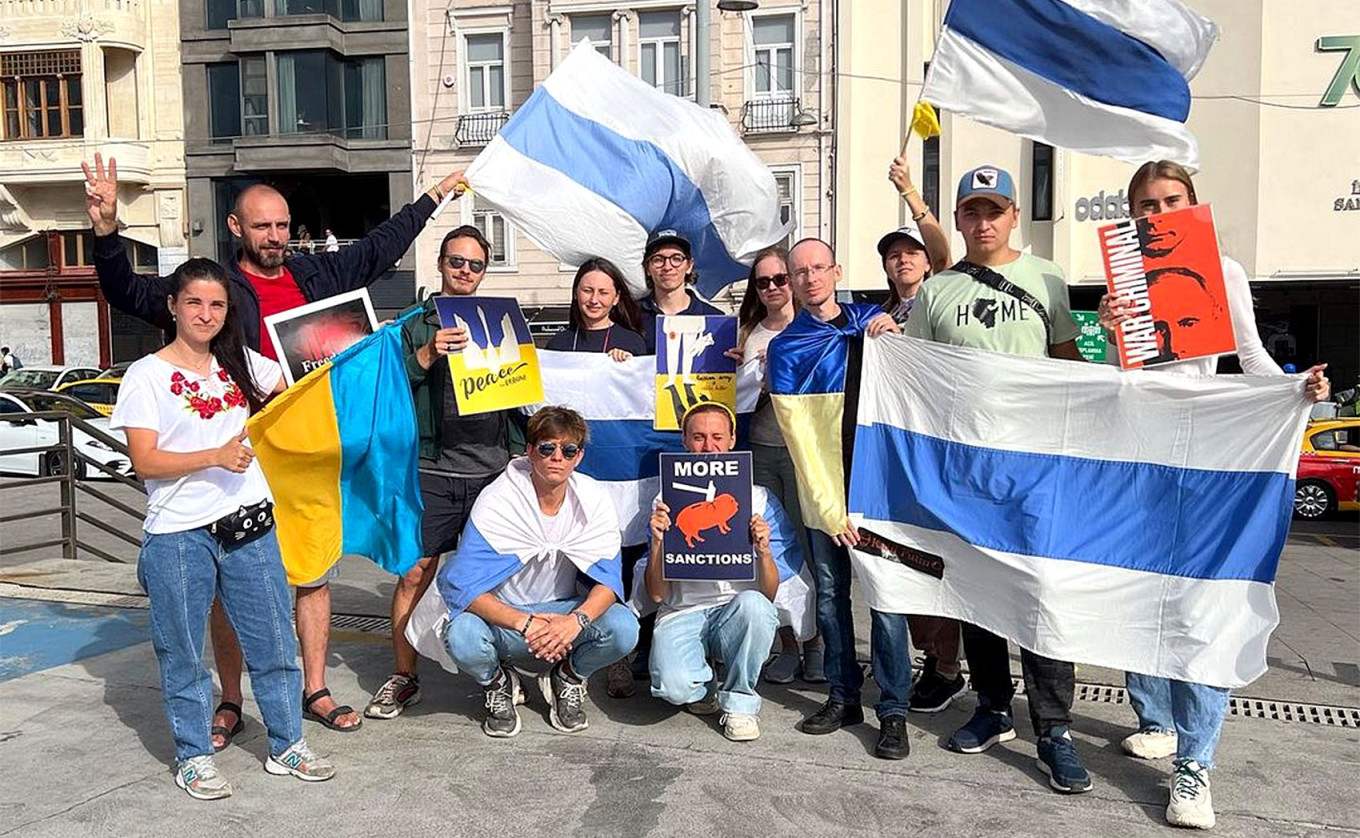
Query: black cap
663	237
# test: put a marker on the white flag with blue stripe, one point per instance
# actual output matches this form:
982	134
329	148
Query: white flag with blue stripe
1124	519
1106	77
596	160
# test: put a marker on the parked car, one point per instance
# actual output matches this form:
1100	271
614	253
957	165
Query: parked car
46	377
1329	469
116	371
99	393
17	432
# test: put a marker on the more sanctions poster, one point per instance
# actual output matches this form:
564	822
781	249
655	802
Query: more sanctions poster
709	497
692	365
308	336
498	368
1169	266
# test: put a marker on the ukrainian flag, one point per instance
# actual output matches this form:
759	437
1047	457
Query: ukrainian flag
340	451
807	372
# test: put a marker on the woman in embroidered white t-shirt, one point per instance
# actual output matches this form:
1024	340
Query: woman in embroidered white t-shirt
184	411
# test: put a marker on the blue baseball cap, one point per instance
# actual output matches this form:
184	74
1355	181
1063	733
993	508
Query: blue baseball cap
664	237
986	182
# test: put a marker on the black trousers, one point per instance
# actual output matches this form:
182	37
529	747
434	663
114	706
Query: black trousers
1049	684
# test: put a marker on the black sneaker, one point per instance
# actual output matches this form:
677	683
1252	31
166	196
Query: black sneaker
892	738
1058	759
565	697
933	692
831	717
502	694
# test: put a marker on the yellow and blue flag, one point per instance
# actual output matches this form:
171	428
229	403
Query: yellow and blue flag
340	450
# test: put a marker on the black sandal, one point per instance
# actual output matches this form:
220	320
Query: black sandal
329	719
219	730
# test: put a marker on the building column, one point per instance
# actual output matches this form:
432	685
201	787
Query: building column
93	91
554	40
625	59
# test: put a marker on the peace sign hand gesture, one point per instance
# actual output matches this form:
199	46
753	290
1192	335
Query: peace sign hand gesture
101	194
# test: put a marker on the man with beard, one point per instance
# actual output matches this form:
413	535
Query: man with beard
266	281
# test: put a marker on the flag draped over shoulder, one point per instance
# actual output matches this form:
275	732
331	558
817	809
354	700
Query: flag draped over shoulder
339	450
596	160
1099	77
1125	519
807	367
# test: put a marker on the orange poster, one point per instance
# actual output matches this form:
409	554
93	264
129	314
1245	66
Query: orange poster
1169	266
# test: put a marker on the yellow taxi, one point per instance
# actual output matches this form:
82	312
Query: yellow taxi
99	393
1328	479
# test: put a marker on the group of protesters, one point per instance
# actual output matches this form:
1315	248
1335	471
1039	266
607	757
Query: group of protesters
577	605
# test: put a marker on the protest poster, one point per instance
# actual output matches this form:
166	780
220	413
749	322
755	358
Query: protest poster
1091	342
692	367
498	368
709	497
1168	265
308	336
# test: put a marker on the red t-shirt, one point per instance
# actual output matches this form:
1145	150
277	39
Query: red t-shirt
277	294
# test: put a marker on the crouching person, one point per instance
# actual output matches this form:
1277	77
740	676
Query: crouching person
704	622
536	583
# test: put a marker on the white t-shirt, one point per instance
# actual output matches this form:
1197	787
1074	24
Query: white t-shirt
546	579
764	428
190	413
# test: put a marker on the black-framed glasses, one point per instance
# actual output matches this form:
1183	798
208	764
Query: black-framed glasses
763	283
569	450
455	262
675	259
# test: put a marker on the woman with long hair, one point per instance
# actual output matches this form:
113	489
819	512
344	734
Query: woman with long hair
766	309
604	316
209	527
1178	718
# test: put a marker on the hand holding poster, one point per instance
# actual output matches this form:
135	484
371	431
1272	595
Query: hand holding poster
498	367
709	497
692	365
308	336
1169	267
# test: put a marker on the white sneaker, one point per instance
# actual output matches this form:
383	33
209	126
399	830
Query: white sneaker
1191	803
200	778
302	762
740	727
1150	744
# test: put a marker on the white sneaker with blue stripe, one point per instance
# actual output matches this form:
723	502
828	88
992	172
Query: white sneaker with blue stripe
302	762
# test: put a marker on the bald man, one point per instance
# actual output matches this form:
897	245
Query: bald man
268	280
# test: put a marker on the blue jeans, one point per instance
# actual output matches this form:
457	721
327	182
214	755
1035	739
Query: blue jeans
479	648
181	573
888	637
1194	711
737	634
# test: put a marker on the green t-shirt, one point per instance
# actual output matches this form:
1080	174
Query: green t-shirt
952	307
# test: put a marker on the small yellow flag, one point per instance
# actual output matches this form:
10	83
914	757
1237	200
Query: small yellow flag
924	121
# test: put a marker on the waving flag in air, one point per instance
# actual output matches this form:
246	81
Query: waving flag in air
1125	519
1100	77
597	159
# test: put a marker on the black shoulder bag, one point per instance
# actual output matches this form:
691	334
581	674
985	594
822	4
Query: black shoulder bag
244	525
997	282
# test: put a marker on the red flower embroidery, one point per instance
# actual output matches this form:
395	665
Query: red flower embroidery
177	388
222	375
207	406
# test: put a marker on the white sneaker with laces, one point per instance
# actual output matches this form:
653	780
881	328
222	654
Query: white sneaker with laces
1150	744
1191	803
302	762
740	727
200	778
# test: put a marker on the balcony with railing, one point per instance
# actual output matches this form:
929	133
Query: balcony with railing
774	116
478	129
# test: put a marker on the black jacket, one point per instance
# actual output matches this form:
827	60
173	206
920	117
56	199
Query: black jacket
318	275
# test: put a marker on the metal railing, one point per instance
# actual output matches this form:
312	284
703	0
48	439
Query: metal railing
770	116
64	464
478	129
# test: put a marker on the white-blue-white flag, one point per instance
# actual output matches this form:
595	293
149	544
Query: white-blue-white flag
596	160
1106	77
1124	519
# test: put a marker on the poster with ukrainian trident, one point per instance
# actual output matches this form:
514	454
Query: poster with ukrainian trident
692	365
709	497
498	368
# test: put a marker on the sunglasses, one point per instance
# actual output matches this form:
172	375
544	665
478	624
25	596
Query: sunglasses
456	262
569	450
763	283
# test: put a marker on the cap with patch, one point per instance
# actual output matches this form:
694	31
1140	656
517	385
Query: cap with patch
907	231
986	182
664	237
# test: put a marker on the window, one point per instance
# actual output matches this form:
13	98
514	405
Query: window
308	94
659	60
77	250
348	10
786	181
1325	441
224	101
498	233
598	28
254	97
27	255
366	98
10	406
485	57
774	51
219	12
41	95
143	258
1041	183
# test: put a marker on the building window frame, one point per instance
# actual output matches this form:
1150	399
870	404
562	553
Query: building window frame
794	173
63	67
573	40
465	105
684	84
754	50
484	218
1042	171
255	124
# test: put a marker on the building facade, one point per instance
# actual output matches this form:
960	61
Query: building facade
76	77
476	62
309	96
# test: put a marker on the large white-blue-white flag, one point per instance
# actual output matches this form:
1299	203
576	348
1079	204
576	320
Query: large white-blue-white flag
596	160
1124	519
1106	77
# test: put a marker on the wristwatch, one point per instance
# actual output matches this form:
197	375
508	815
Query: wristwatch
583	619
